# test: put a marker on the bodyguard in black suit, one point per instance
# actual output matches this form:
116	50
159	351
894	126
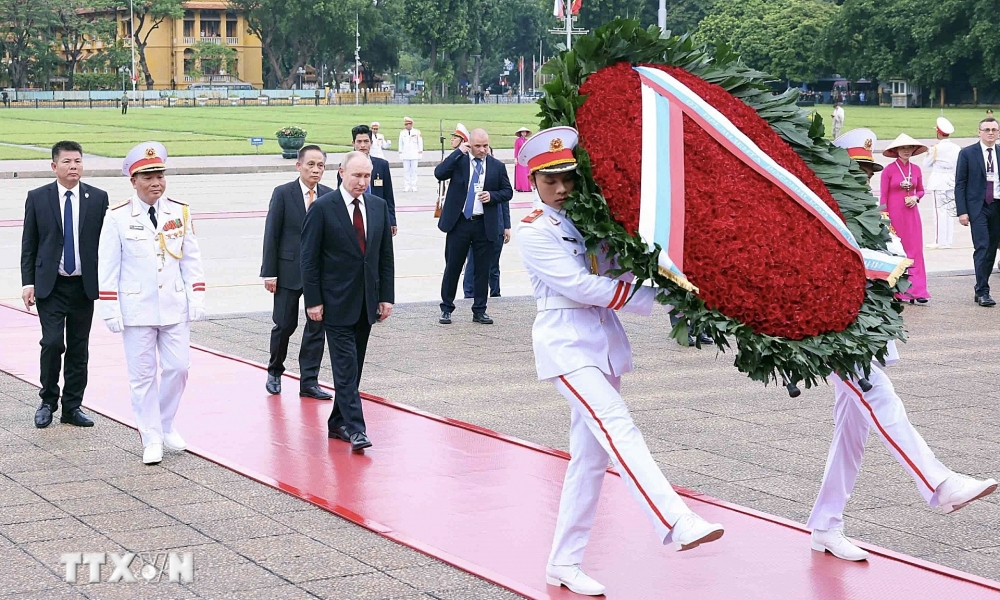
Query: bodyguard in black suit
381	181
471	217
62	227
976	196
282	273
347	279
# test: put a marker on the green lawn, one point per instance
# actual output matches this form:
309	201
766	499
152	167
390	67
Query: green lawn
200	131
225	130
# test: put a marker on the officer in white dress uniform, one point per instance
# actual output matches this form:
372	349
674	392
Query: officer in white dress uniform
379	143
581	347
151	286
940	165
411	150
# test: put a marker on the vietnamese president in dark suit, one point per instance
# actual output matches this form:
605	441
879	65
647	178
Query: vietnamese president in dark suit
347	280
471	217
977	192
381	181
62	228
282	273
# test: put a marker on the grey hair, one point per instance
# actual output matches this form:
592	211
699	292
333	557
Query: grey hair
351	156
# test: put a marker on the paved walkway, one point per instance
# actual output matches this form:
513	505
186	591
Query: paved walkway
710	428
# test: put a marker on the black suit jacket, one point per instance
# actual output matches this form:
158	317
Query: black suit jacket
283	234
42	237
335	273
381	185
970	180
457	168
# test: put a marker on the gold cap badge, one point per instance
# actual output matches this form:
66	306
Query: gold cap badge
868	145
555	145
150	153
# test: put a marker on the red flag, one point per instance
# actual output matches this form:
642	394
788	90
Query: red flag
576	6
520	64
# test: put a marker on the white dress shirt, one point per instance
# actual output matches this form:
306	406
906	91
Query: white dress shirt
305	193
75	201
996	167
349	202
477	204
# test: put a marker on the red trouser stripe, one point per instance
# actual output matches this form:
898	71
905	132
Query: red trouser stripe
621	461
885	435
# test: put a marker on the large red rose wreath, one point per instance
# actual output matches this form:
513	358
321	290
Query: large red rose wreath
769	275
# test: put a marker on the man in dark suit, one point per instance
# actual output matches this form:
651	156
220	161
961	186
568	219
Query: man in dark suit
468	280
282	273
381	182
62	227
977	192
471	217
347	279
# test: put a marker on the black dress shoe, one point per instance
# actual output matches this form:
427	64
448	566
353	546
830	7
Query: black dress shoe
43	416
483	318
359	441
77	418
339	433
445	318
316	392
922	301
273	384
496	295
986	300
705	339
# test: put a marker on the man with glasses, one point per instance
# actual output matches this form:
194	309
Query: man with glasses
977	191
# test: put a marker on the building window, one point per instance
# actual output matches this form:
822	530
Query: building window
189	23
232	29
211	26
188	61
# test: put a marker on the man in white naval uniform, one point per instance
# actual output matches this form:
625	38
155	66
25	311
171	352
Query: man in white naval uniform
855	413
151	285
411	150
939	165
581	347
379	143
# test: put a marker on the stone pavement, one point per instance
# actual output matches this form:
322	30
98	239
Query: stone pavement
710	428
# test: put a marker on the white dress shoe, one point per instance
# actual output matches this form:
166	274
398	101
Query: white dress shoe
959	490
174	441
572	577
690	531
931	246
152	454
836	543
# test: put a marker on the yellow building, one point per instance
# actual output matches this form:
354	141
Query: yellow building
169	53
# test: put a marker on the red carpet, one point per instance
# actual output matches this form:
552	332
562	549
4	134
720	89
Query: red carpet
478	500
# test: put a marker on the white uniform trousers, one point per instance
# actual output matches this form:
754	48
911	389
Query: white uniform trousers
944	203
855	413
410	174
155	402
601	427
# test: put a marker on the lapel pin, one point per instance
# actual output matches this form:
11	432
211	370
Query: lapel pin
86	195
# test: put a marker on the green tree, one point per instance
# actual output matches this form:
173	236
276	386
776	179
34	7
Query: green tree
213	58
436	28
79	23
22	27
148	15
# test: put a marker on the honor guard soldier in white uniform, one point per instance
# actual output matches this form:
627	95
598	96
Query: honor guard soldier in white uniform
940	165
411	150
379	143
581	347
151	286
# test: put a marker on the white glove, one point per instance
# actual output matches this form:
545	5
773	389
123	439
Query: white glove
114	324
196	313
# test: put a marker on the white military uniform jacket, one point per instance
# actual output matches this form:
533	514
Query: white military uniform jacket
576	325
149	276
941	161
411	144
379	144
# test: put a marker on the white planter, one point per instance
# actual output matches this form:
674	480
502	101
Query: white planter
295	100
262	100
171	101
202	101
234	101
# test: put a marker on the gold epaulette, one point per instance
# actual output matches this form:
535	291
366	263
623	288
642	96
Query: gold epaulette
177	202
125	203
530	218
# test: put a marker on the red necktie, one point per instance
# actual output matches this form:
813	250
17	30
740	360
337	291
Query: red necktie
359	224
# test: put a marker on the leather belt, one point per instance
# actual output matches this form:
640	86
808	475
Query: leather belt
558	302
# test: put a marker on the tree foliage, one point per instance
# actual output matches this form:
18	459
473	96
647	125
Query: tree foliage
148	16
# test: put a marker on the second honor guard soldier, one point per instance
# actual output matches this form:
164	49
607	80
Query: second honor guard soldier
581	347
151	286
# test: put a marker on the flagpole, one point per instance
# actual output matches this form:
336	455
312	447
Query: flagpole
131	30
661	15
357	59
569	24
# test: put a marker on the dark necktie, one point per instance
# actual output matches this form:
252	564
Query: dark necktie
152	216
990	168
359	224
69	234
470	198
